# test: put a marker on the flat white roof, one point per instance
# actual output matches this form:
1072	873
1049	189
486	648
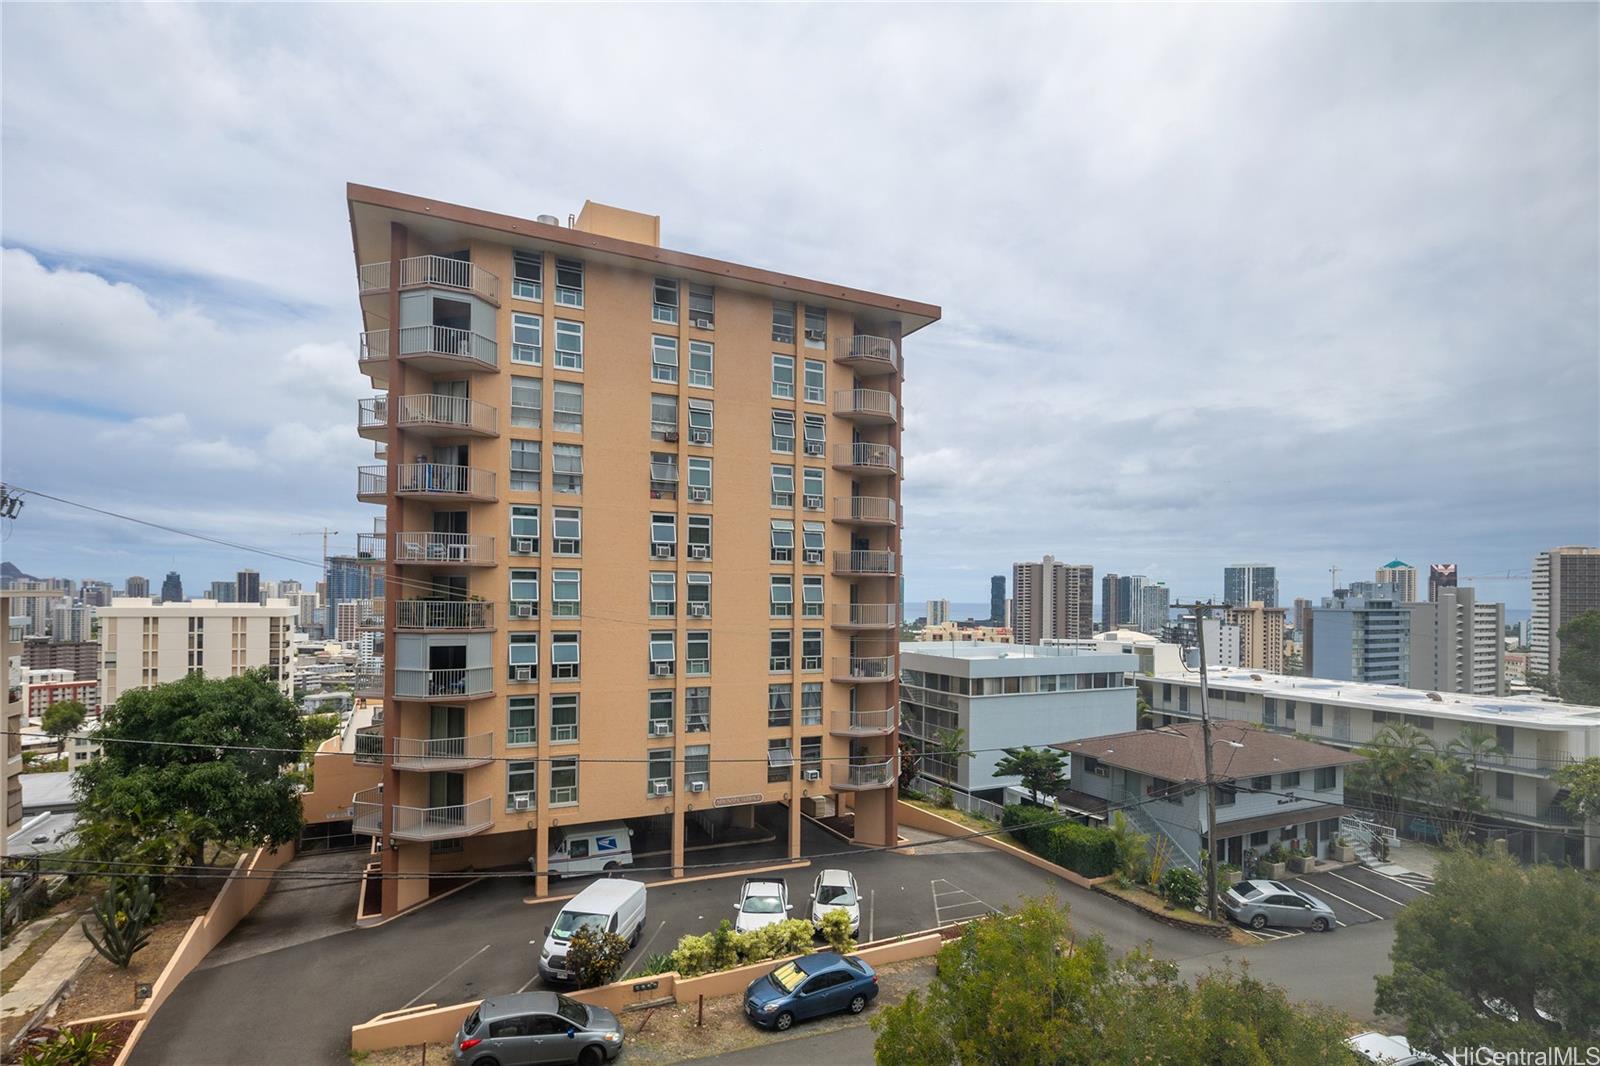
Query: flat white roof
1502	710
966	658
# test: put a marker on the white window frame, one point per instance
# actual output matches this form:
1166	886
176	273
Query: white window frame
702	419
528	288
782	365
523	351
810	709
516	475
558	519
527	385
518	736
663	646
664	312
660	405
778	334
701	376
697	721
564	795
521	516
780	664
664	530
780	596
527	643
657	700
566	415
782	540
691	583
816	435
664	359
663	594
783	432
821	314
565	664
566	294
813	474
560	582
569	456
697	666
515	584
568	358
708	314
811	663
813	536
699	478
817	393
811	597
565	732
697	522
782	475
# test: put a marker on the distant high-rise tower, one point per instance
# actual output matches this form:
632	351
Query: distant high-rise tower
1051	600
1155	609
1440	576
1245	583
997	599
224	592
1302	612
1110	600
172	588
1130	594
1401	579
95	593
137	588
1566	583
247	587
938	612
1260	635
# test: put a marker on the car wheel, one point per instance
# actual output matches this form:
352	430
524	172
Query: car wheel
784	1021
858	1004
1258	921
486	1062
609	867
1319	924
591	1056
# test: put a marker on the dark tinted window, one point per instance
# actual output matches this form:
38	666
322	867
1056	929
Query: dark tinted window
572	1010
471	1026
855	964
504	1027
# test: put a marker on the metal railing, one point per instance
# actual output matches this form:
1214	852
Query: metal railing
866	456
962	801
1135	807
864	723
372	546
366	808
372	412
865	774
427	547
428	684
443	614
872	563
867	354
864	668
368	681
372	346
440	479
871	402
369	744
865	509
372	480
462	344
866	614
425	270
373	277
450	412
371	616
432	753
433	823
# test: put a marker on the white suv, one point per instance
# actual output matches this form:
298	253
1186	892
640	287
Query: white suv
761	903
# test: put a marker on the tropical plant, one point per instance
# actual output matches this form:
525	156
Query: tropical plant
82	1045
660	962
62	719
944	797
1041	769
1581	782
595	955
836	930
1131	846
1396	767
1181	887
946	746
123	915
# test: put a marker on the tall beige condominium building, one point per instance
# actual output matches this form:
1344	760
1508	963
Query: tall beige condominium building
1401	577
1566	583
1469	648
144	643
642	514
1051	601
1260	635
16	707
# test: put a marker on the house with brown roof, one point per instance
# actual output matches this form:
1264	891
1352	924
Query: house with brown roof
1272	788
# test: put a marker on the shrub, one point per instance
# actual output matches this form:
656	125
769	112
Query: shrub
660	962
944	797
723	949
692	956
84	1046
595	955
1276	853
1088	850
836	931
1182	887
124	920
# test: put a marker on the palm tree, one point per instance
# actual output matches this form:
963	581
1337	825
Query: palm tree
1475	745
1397	765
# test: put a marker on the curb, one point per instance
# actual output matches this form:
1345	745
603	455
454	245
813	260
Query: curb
1223	932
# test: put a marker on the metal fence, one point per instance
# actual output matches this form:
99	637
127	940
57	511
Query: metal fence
962	801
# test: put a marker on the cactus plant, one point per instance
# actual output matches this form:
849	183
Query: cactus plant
124	917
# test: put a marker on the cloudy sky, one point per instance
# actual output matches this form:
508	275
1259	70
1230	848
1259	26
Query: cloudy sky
1307	286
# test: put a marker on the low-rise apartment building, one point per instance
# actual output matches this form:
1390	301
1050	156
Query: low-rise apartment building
41	688
147	643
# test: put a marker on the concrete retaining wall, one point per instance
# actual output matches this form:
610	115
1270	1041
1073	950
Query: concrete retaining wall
917	818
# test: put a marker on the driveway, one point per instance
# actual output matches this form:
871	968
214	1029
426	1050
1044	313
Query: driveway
1357	894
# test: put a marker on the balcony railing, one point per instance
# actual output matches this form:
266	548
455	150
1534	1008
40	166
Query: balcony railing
868	563
412	684
443	753
864	775
369	744
867	355
447	348
866	510
371	616
866	458
368	684
444	549
857	668
424	271
373	277
372	417
436	823
866	405
866	615
443	614
372	483
429	412
440	479
863	723
371	546
366	807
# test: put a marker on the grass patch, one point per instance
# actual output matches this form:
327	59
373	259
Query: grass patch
971	821
40	944
410	1055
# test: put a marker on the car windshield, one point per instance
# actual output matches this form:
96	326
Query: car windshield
788	976
837	895
1245	891
572	1010
762	904
567	923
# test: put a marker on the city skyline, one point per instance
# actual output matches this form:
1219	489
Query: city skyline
1107	260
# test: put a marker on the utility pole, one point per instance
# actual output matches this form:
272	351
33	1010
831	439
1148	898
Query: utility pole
1201	610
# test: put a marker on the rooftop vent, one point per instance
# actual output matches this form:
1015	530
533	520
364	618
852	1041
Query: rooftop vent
548	220
1435	697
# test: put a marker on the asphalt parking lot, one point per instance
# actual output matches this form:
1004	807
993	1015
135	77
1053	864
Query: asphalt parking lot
1357	894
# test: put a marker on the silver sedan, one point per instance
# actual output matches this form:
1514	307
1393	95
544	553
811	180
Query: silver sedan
1259	904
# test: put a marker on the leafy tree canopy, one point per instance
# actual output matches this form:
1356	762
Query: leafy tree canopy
1582	782
1041	769
1580	659
63	718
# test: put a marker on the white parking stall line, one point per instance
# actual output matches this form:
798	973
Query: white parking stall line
1364	888
1275	934
453	969
951	909
1357	906
1422	883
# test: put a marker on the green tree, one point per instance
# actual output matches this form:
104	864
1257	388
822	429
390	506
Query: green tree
1020	989
1132	846
196	759
947	746
1579	681
1581	780
319	727
1397	767
61	719
1041	769
595	955
1498	955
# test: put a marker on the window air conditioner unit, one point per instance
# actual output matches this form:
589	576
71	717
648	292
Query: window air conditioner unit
811	775
702	323
782	555
783	499
697	786
522	545
699	610
670	436
814	503
663	551
661	787
661	729
816	334
521	801
814	447
699	436
699	551
661	669
699	494
521	609
566	547
814	555
523	673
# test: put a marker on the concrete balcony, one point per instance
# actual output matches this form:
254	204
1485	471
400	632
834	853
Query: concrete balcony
867	356
366	808
372	356
368	685
866	615
430	272
443	753
866	459
372	418
432	415
863	723
372	547
449	684
863	669
859	777
869	407
441	823
372	484
448	350
371	615
465	615
431	480
866	563
866	510
444	549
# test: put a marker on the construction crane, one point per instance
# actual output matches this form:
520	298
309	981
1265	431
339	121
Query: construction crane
1507	576
324	533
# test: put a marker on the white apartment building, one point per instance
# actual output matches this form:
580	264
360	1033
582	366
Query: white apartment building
145	644
1536	739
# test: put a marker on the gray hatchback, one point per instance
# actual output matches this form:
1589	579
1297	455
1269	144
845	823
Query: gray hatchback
535	1028
1259	904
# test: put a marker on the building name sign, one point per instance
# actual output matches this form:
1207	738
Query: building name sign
735	801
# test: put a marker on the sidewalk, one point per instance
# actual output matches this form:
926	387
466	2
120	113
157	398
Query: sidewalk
44	978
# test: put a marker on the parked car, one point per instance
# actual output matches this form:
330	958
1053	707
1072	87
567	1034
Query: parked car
1393	1051
616	905
531	1028
836	890
1259	904
762	902
810	986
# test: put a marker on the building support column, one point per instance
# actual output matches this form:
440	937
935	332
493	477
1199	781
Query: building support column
743	817
795	824
677	841
412	863
541	856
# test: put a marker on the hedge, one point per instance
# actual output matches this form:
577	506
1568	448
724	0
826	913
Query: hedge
1088	850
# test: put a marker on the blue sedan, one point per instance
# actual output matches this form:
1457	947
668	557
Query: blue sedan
812	985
